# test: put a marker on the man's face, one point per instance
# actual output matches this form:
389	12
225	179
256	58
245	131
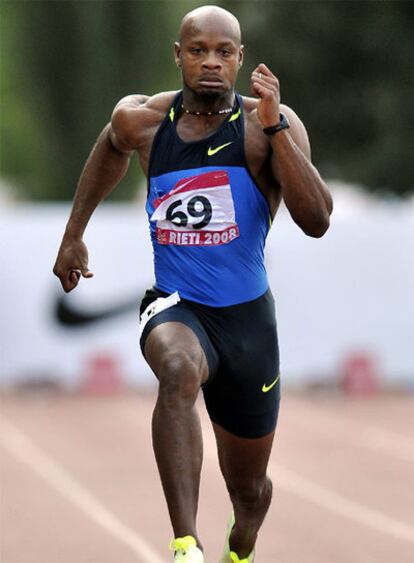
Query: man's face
209	58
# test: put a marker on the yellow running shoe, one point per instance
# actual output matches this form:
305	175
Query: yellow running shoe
186	550
230	556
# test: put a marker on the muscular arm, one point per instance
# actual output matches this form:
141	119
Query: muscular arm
105	167
303	190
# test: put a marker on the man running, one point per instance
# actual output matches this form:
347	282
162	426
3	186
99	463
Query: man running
218	165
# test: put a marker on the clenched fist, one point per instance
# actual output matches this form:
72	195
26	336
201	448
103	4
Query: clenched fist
265	86
71	263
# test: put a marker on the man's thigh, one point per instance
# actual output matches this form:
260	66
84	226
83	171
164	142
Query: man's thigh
173	334
244	396
171	344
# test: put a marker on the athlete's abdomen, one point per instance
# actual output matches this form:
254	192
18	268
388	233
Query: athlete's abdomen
208	229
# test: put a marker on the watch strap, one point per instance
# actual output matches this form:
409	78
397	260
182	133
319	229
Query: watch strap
273	129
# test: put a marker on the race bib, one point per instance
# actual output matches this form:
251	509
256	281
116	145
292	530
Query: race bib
198	211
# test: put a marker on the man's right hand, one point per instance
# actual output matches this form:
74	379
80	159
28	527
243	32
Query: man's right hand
71	263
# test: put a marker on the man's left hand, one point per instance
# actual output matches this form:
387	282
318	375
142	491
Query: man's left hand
265	86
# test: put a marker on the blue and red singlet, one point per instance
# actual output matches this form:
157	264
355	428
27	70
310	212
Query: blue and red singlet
208	219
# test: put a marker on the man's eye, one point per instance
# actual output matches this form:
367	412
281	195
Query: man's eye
195	50
225	53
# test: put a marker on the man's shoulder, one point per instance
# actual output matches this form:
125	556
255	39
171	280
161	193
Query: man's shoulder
135	114
297	129
135	106
161	101
249	103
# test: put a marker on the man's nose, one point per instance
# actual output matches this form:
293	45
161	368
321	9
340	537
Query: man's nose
212	61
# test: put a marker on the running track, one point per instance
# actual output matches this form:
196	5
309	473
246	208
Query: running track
79	483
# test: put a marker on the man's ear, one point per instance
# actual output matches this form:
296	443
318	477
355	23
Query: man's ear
177	51
241	55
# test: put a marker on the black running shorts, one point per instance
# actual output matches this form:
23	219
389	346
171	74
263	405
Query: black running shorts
240	342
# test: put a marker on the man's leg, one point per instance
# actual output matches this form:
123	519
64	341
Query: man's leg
175	355
243	462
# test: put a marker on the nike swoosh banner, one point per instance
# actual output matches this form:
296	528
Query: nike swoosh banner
53	337
91	334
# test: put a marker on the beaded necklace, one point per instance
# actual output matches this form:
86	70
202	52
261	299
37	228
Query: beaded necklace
219	112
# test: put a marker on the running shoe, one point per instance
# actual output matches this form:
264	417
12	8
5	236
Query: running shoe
230	556
186	550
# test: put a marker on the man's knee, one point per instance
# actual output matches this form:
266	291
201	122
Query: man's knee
249	491
180	378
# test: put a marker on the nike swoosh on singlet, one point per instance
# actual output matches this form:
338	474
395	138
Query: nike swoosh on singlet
211	151
267	388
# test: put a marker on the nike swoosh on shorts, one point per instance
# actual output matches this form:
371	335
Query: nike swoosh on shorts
267	388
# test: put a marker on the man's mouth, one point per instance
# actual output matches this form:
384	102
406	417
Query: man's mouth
210	82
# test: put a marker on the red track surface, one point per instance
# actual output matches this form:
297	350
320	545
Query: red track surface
80	484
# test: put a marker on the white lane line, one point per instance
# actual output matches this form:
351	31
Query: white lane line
291	482
27	452
323	497
319	495
399	446
372	437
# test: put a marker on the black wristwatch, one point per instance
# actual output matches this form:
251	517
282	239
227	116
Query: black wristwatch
283	124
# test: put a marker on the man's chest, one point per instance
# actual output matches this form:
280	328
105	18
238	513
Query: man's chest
253	143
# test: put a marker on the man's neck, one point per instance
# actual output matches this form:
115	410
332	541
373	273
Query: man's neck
204	104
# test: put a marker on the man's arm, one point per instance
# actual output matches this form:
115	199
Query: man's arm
105	167
303	190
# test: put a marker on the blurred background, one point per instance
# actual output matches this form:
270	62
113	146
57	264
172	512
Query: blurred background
345	305
79	481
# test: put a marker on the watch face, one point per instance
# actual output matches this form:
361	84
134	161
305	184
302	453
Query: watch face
284	122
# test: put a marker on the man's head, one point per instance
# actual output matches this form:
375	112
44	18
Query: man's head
209	51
